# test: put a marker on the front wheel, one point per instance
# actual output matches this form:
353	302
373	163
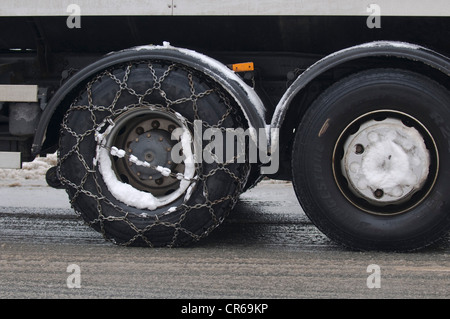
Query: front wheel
126	154
371	161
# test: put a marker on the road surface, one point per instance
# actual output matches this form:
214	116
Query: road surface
266	249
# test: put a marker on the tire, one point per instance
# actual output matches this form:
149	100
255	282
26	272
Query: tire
371	161
116	160
52	179
254	177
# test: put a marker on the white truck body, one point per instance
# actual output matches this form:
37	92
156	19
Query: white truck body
221	8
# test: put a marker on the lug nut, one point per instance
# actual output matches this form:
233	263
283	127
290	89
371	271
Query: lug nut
359	149
378	193
155	124
139	130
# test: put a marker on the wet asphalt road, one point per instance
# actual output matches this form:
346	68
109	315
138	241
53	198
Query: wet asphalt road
267	248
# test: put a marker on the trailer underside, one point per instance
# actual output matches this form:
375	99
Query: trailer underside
354	113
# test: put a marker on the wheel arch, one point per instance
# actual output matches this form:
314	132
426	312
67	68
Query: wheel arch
47	132
317	78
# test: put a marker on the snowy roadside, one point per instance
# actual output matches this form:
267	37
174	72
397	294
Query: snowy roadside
32	173
27	187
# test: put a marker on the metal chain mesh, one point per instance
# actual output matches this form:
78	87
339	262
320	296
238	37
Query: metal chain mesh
103	115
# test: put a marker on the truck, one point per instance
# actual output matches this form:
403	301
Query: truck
163	113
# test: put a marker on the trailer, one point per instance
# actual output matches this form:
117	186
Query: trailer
163	112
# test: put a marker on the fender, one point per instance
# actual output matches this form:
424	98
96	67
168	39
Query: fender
247	99
371	49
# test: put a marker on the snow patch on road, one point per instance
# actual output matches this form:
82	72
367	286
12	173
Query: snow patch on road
34	170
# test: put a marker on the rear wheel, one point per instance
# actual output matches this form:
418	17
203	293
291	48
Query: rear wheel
371	161
127	159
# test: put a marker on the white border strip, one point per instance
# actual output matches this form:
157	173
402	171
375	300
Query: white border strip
436	8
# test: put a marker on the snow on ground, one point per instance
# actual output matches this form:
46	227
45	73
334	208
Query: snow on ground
31	171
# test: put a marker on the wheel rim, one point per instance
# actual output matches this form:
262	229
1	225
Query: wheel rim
136	162
385	162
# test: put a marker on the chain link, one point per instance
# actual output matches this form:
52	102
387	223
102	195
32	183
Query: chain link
103	116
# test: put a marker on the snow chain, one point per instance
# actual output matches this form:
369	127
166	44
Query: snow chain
102	115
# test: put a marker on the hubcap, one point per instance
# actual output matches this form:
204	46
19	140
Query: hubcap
387	160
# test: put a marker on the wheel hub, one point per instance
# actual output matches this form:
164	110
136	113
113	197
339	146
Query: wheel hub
155	148
385	162
147	177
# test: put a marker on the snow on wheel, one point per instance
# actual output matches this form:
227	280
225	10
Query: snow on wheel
370	161
135	158
126	154
385	162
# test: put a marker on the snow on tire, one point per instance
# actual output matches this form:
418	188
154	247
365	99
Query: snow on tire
370	161
117	161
